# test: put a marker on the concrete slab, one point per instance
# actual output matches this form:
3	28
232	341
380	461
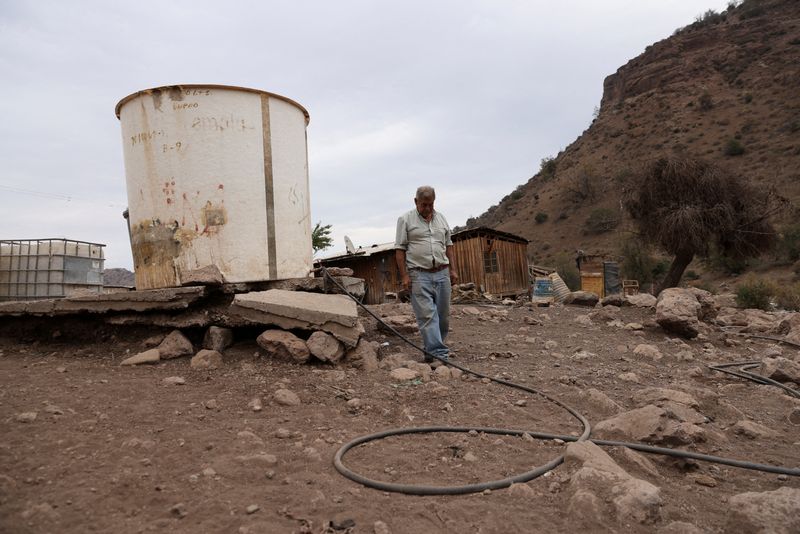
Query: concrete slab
335	314
178	298
353	285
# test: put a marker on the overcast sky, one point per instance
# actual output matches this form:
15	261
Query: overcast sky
467	96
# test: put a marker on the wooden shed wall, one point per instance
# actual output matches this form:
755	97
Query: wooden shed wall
512	263
379	272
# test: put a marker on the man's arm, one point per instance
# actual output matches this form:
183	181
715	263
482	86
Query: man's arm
448	251
400	258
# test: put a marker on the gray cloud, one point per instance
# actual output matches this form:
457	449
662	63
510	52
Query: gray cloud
466	96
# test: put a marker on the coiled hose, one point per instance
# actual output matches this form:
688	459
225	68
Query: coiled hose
417	489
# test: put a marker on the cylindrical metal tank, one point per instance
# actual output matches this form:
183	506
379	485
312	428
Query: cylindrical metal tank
217	177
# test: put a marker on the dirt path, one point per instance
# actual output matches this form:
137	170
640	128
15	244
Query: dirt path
115	449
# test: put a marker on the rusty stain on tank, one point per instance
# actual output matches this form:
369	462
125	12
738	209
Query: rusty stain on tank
212	217
154	249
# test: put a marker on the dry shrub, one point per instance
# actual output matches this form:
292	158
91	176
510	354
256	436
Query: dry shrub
755	293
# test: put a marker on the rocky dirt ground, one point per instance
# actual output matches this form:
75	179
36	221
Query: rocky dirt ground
88	445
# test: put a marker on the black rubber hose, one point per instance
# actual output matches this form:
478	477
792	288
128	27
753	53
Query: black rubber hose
414	489
743	373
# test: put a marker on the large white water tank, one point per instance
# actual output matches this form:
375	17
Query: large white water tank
216	176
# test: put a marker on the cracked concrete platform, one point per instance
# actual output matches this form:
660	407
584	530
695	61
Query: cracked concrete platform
335	314
178	298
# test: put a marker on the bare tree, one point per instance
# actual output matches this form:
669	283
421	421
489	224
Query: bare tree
689	206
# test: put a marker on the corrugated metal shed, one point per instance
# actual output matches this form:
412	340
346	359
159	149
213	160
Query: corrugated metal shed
375	264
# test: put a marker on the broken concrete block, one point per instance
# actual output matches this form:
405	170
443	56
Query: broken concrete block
148	356
218	338
335	314
175	345
284	345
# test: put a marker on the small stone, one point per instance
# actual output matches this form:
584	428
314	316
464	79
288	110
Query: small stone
354	405
255	404
61	369
148	356
260	459
174	380
705	480
403	374
282	433
209	472
469	457
211	404
206	359
179	510
253	508
521	402
379	527
175	345
218	338
286	397
312	454
26	417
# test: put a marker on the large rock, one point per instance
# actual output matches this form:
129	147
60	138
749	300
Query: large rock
218	338
405	324
708	306
633	499
284	346
678	311
780	369
325	347
641	300
773	512
148	356
206	359
335	314
752	321
617	299
582	298
599	401
175	345
651	424
364	356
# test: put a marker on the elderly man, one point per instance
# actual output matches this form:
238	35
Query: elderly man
424	255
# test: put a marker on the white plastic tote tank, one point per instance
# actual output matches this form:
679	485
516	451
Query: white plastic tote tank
217	177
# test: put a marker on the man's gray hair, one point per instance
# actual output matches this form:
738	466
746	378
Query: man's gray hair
425	191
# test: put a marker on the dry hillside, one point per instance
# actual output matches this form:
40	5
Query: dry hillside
725	88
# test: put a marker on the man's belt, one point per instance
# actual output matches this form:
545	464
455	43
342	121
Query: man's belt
431	270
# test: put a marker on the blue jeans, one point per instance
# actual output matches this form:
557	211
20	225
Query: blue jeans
430	298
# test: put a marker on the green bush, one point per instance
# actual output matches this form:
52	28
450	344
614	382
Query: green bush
540	217
725	264
660	269
755	293
548	168
691	275
788	297
602	220
789	244
733	148
705	101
